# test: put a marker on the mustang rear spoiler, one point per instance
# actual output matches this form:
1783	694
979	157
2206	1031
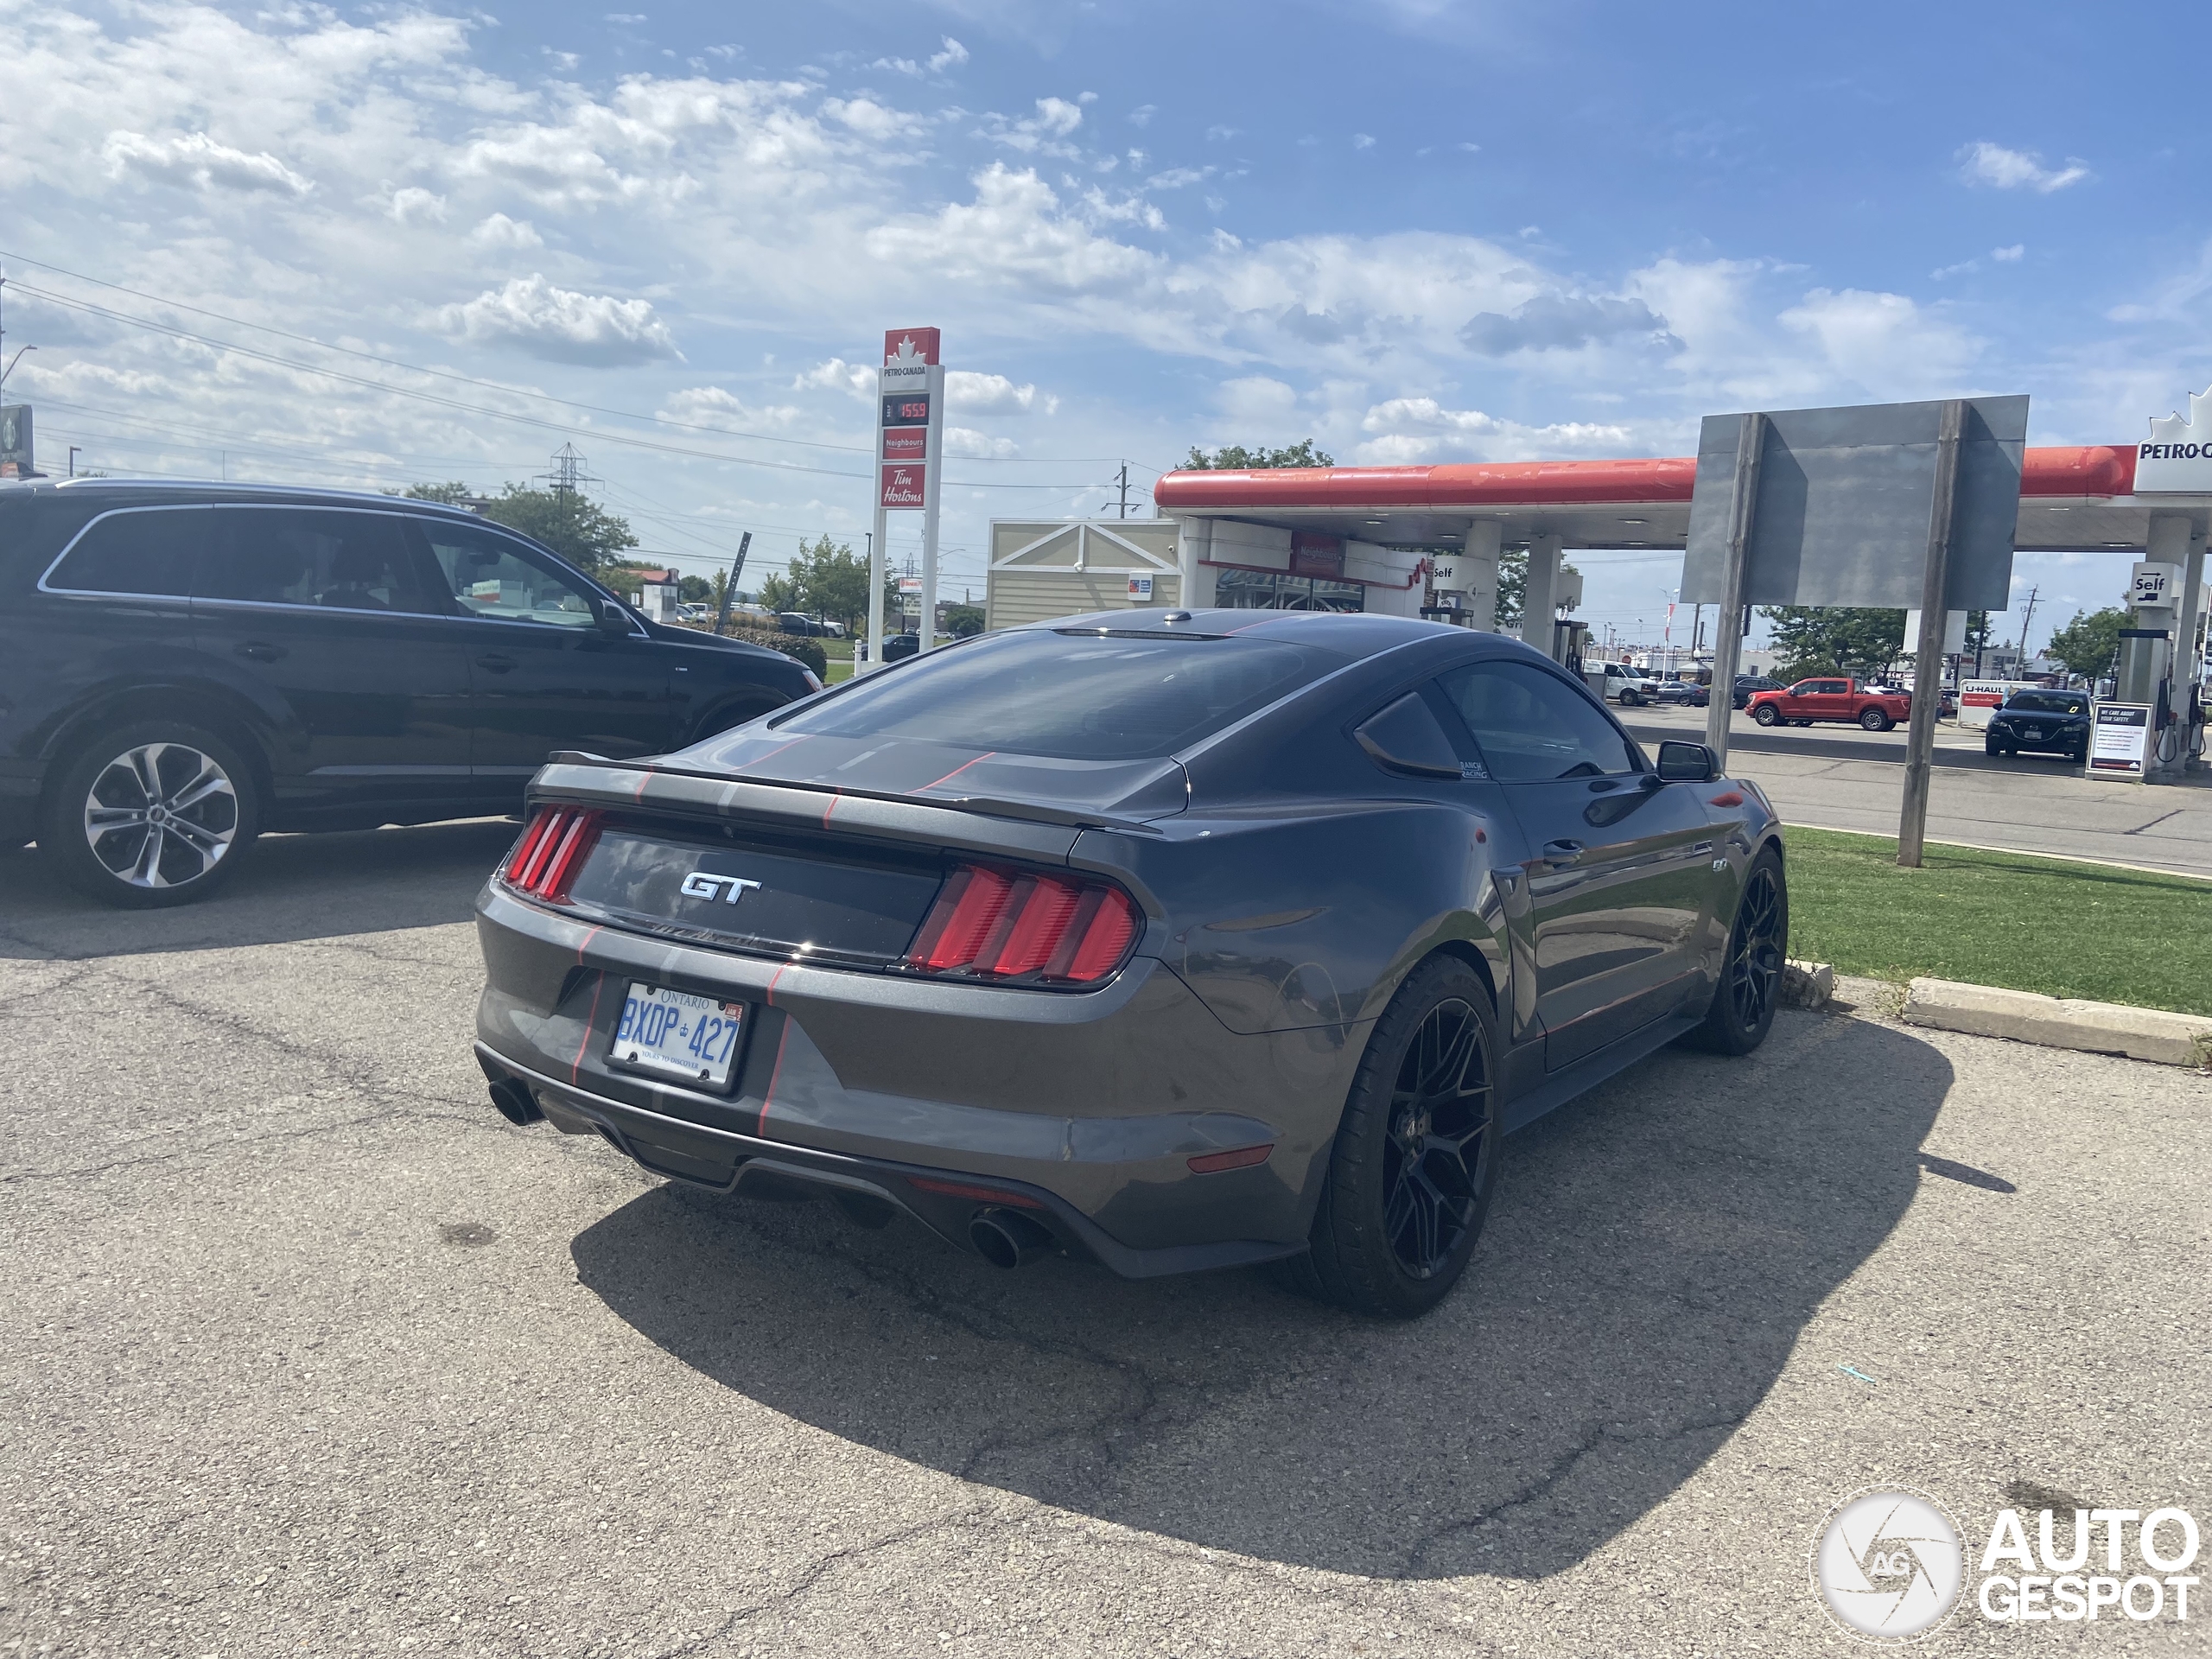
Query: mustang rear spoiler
982	805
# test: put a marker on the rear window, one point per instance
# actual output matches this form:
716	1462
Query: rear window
308	556
146	551
1074	695
2047	703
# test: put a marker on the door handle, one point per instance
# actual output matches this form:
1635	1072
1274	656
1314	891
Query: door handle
1562	852
260	649
493	663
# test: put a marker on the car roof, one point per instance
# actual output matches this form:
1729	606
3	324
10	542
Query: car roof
142	489
1354	633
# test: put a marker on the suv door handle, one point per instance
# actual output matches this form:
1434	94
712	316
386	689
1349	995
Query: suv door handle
1562	852
493	663
260	649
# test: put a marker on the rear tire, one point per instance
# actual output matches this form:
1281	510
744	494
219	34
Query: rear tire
1875	720
1751	974
151	814
1765	714
1410	1179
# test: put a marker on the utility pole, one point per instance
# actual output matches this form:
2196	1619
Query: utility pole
1125	489
2033	594
74	449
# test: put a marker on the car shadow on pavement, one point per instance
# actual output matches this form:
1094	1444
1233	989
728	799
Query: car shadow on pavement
290	887
1654	1253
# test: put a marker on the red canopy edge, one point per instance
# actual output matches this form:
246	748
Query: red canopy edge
2091	470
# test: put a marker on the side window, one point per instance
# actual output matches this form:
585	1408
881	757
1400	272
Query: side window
153	551
1833	687
1532	726
489	576
322	558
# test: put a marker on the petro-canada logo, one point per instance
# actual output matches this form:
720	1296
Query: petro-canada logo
2178	457
1889	1564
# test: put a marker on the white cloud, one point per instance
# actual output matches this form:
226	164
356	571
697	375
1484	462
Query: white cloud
1141	116
414	205
968	393
712	406
871	119
856	379
953	53
501	232
561	325
1176	177
1412	431
1886	343
1013	233
971	444
2012	169
197	162
2009	255
1363	141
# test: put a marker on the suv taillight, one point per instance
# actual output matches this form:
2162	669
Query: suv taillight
1008	925
551	851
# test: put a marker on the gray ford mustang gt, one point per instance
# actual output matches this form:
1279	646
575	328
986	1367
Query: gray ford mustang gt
1171	939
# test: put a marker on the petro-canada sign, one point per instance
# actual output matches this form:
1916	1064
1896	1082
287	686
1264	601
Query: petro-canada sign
2177	460
910	425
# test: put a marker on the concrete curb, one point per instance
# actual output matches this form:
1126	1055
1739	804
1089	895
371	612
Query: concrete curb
1807	984
2055	1022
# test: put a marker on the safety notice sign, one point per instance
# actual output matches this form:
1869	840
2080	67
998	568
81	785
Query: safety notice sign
2119	739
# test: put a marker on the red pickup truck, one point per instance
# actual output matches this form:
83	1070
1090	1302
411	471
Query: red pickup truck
1848	700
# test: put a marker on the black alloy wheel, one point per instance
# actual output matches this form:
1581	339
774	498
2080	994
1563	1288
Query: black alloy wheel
1750	975
1766	714
1415	1160
152	814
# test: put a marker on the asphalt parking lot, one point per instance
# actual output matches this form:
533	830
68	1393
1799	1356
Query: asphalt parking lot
1840	777
306	1351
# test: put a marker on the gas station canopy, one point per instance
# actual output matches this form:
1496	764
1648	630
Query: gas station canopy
2071	501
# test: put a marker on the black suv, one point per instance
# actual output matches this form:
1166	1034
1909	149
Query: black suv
183	665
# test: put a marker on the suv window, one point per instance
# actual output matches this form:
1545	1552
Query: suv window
489	576
1532	726
325	557
1077	696
134	552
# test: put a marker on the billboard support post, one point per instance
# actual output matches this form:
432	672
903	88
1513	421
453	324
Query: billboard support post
1728	627
874	644
1928	661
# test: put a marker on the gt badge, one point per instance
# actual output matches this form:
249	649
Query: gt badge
727	888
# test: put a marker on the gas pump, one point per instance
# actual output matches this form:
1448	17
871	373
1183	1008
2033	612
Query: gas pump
2147	676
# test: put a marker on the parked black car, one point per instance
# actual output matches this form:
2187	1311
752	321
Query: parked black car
1170	939
1748	686
806	626
898	648
2048	722
184	665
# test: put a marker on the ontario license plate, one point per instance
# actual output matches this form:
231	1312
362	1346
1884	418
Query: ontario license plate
674	1035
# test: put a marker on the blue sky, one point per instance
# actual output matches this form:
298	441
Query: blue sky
1421	231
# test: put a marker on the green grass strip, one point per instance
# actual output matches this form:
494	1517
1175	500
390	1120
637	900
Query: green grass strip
2025	922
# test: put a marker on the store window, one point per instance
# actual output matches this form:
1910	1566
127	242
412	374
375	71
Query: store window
1270	590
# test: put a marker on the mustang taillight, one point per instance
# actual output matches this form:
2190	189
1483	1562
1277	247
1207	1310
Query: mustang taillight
1016	925
551	851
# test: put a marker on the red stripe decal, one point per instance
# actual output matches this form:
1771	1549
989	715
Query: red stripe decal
773	754
769	996
957	771
774	1072
828	810
644	779
576	1066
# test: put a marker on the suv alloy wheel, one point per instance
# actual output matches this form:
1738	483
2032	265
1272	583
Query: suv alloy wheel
150	814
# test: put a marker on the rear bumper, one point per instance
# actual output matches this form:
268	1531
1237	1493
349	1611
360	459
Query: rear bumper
1092	1104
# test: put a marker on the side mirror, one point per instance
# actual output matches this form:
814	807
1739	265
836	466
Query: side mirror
612	619
1405	737
1687	763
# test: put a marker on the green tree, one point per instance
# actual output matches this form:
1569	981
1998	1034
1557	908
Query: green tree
778	593
1834	639
454	494
567	521
962	621
1980	629
830	581
2088	643
1513	587
1237	458
695	591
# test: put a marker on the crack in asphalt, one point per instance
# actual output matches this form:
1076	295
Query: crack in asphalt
1562	1467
